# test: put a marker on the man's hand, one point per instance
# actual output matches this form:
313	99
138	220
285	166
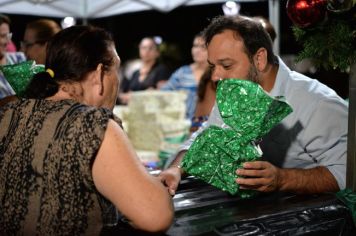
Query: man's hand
265	177
171	178
259	175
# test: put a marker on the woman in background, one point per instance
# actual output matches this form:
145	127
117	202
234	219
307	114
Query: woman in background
206	100
151	73
187	77
66	166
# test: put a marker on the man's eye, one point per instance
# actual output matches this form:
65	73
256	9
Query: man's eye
226	67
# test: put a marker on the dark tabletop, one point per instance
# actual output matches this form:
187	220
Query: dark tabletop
201	209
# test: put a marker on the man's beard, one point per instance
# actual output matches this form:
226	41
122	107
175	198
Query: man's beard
253	75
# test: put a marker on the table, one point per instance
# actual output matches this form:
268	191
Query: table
201	209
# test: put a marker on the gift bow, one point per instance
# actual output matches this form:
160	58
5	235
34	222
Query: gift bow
249	113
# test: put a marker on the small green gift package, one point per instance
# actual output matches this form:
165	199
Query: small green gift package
248	113
20	75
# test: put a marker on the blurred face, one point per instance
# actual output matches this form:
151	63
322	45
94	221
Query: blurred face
227	58
111	82
5	37
148	50
199	52
33	49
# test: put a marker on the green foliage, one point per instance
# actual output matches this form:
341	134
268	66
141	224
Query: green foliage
331	44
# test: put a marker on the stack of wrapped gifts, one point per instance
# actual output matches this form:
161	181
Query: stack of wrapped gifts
156	124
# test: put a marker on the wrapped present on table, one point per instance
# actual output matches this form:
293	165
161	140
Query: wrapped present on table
248	113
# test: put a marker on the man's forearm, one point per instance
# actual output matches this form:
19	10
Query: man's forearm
307	181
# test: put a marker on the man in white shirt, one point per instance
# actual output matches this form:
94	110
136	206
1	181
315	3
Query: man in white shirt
306	152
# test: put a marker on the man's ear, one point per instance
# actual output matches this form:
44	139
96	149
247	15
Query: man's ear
260	59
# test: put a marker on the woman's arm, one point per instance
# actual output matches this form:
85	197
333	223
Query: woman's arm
120	177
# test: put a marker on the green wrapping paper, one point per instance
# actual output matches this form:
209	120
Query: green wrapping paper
348	197
249	113
20	75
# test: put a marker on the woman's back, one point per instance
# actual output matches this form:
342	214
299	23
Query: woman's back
52	189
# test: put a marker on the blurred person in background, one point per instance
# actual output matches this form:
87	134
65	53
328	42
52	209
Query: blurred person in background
151	73
206	99
267	26
187	77
11	47
7	58
37	34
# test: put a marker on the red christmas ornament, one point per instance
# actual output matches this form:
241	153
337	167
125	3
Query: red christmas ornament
304	13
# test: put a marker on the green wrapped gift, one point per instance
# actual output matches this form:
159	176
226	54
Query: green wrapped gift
20	75
249	113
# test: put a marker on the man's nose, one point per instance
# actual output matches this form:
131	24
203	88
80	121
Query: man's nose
215	76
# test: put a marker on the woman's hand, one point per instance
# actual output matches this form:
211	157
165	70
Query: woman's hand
171	178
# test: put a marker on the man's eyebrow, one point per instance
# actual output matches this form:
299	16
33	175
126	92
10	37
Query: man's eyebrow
221	61
225	60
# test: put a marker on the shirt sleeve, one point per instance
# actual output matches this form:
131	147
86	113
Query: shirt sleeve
173	81
5	87
325	138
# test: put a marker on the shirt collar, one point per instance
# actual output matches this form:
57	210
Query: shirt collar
280	82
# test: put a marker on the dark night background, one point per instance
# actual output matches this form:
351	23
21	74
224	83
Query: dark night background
177	29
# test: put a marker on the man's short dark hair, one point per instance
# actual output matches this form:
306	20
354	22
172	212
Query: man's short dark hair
252	33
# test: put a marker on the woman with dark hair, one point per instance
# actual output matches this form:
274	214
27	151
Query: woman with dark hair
206	99
66	165
186	78
151	73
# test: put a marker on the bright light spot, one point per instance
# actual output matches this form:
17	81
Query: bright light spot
302	5
231	8
158	39
68	22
